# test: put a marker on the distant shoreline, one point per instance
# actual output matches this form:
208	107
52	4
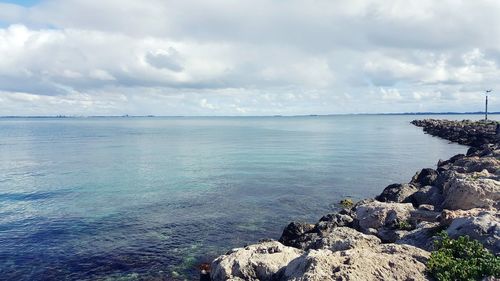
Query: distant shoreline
243	116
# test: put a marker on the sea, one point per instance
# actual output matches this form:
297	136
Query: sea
150	198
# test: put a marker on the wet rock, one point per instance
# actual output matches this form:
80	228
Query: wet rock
397	193
381	262
255	262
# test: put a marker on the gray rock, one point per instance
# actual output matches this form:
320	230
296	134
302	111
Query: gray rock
485	227
379	214
293	234
329	222
259	262
428	195
467	191
397	193
344	238
425	177
421	237
380	262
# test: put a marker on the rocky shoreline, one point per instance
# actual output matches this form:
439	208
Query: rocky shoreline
389	237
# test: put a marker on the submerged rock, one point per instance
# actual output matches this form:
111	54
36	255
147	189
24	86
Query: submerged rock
255	262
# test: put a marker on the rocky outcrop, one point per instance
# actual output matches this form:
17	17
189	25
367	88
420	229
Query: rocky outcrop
473	133
344	238
380	262
468	191
389	238
380	214
255	262
484	227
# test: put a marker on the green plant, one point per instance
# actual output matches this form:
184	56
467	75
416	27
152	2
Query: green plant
403	225
461	259
346	203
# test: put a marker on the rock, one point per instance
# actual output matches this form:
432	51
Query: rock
424	214
428	195
330	221
293	233
425	177
476	164
447	216
464	191
390	234
397	193
379	214
473	133
485	227
421	237
344	238
380	262
255	262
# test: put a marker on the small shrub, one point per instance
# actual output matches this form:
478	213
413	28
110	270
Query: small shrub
461	259
346	203
403	225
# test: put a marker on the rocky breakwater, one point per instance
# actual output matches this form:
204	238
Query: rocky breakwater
466	132
389	237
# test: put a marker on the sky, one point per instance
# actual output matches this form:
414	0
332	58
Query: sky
247	57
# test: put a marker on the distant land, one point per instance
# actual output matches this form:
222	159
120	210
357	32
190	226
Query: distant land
303	115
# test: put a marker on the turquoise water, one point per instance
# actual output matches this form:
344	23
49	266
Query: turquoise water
145	198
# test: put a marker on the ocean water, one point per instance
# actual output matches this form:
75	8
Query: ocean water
151	198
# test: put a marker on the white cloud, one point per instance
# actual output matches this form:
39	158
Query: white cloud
247	57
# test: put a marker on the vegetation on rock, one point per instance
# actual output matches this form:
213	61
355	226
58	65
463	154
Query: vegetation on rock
462	259
346	203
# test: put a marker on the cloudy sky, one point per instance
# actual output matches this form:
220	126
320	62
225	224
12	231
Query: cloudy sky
247	57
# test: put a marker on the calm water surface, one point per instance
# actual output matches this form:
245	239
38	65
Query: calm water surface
150	198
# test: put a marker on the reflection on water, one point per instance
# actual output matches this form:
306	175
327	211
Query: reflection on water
150	198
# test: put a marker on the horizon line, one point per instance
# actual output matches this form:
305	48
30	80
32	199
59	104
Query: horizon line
274	115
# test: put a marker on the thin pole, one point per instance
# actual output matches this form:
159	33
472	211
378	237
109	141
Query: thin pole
486	110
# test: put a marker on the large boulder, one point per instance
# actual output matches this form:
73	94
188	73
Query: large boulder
476	164
374	215
397	193
258	262
484	227
467	191
422	237
328	222
294	234
344	238
425	177
428	195
381	262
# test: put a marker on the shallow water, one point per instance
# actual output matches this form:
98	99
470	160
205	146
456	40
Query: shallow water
150	198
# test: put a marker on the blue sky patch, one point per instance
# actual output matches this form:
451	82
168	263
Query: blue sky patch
26	3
